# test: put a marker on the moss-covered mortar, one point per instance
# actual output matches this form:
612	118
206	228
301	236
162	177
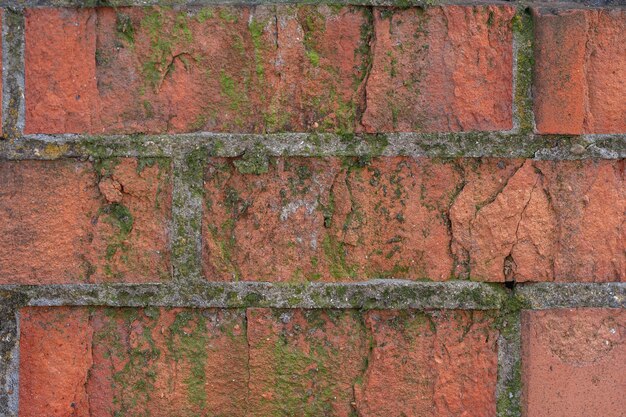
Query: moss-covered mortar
13	71
9	351
187	200
379	294
250	146
523	70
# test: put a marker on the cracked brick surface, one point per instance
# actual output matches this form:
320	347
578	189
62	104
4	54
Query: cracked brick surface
490	220
573	362
580	71
68	222
268	68
162	362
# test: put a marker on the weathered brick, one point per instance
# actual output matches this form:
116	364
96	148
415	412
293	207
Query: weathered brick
65	221
304	363
542	221
580	68
429	364
310	219
158	362
268	68
489	219
154	361
573	362
441	69
248	69
55	357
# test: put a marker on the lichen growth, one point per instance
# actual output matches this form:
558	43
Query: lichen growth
254	161
188	341
335	253
523	30
124	27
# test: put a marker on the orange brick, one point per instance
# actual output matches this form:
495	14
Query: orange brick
580	68
263	69
429	364
441	69
242	69
492	220
158	362
574	362
304	362
68	222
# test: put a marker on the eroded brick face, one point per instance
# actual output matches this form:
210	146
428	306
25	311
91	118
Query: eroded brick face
580	71
268	68
164	362
573	362
441	69
491	220
65	221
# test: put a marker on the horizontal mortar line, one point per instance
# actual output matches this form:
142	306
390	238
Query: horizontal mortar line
399	3
373	294
546	295
447	145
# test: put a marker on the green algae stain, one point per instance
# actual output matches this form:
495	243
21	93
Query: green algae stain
335	253
124	27
188	341
121	220
133	383
523	29
254	161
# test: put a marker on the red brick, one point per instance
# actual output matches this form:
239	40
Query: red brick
310	219
105	361
580	68
490	219
55	357
543	221
574	362
304	362
248	69
429	364
441	69
57	226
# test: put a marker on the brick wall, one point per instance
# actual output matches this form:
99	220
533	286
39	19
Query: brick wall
354	209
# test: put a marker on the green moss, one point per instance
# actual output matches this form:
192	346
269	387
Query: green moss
124	27
228	16
188	341
230	90
508	402
523	30
304	378
313	57
120	217
204	14
254	161
335	253
133	384
313	24
256	33
165	33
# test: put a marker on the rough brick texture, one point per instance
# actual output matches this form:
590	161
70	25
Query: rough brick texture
580	71
268	68
159	362
492	220
573	362
178	182
65	221
440	69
